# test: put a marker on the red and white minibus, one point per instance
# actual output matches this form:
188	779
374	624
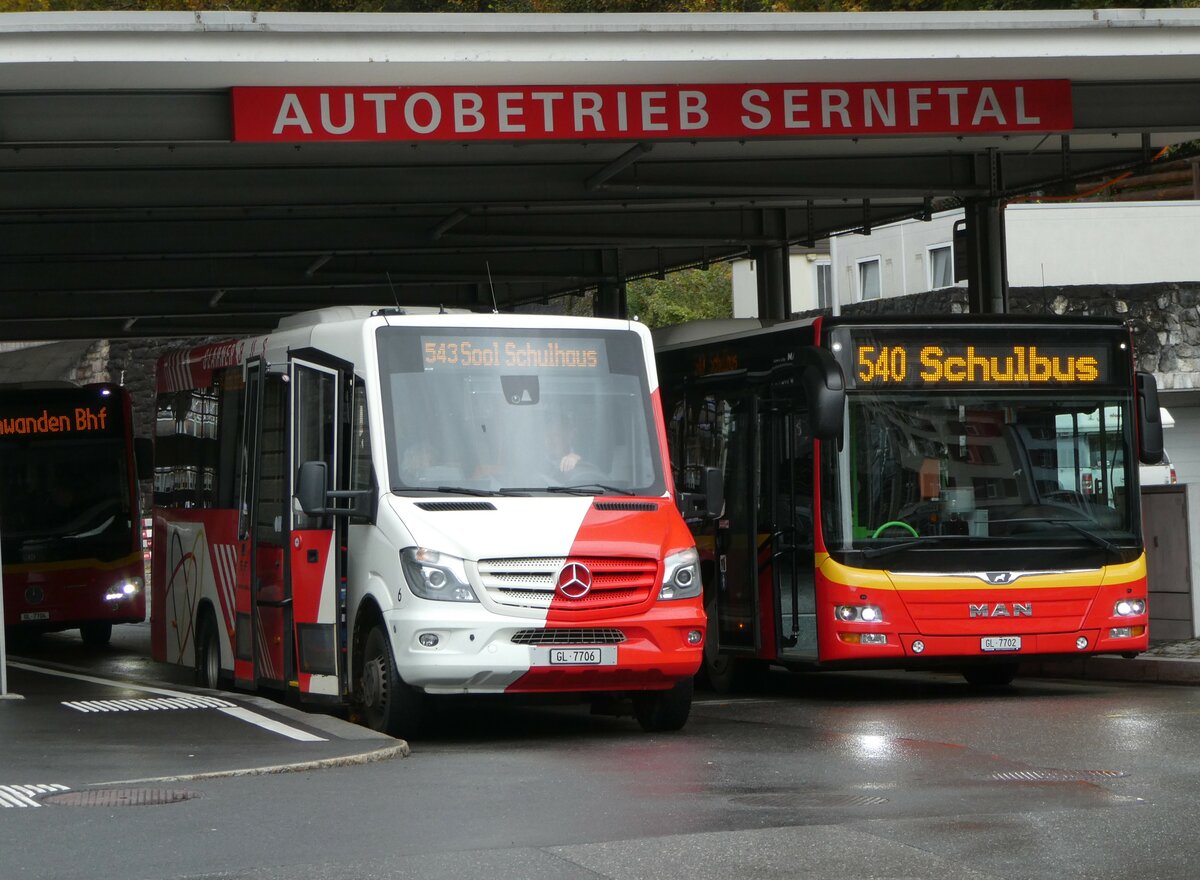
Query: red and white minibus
370	505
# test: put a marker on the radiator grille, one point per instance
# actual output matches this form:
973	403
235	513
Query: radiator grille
604	636
617	582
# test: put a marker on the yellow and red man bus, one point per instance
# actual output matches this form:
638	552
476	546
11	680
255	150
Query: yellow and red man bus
914	493
69	520
370	505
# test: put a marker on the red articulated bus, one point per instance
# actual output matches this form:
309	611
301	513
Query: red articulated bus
69	520
914	493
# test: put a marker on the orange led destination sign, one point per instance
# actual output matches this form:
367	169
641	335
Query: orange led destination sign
70	420
929	364
487	353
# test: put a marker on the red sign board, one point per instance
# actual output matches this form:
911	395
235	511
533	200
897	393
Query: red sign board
648	112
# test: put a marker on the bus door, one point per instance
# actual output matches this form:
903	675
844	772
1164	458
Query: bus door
785	519
320	410
738	630
262	638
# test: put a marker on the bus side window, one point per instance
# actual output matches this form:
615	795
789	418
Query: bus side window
360	439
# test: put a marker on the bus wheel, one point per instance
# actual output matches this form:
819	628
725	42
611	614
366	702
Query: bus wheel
993	675
664	710
208	653
96	635
731	675
387	703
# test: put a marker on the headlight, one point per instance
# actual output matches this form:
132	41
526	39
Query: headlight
859	613
125	589
681	575
1129	607
434	575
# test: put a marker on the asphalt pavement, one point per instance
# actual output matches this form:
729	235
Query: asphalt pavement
77	719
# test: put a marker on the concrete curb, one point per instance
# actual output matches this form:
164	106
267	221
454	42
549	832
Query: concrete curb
1148	668
400	750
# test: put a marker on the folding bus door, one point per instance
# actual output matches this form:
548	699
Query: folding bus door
261	638
738	595
785	516
317	555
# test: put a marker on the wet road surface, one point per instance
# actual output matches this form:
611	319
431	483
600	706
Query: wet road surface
812	776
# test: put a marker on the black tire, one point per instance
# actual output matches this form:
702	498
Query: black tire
96	635
387	704
658	711
208	652
732	675
21	639
991	675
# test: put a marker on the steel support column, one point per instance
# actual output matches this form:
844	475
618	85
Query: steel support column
610	301
987	262
774	281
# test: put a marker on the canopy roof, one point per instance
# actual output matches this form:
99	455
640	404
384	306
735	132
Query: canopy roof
141	198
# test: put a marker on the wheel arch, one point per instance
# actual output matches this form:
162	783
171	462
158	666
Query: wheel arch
367	617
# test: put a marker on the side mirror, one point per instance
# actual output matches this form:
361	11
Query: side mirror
709	502
825	388
143	457
312	487
714	492
1149	420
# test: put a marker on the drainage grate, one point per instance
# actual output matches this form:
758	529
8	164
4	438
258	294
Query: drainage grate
156	704
121	797
1055	775
815	801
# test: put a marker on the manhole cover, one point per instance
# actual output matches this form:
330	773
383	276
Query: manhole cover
121	797
800	801
1054	775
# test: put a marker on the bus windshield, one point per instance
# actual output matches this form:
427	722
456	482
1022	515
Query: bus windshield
944	470
66	498
483	411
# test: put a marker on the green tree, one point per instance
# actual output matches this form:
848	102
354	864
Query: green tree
682	296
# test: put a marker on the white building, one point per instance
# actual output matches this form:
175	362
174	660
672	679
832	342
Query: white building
811	273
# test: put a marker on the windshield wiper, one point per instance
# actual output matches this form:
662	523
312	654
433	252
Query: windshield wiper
463	490
873	552
1098	540
590	489
581	489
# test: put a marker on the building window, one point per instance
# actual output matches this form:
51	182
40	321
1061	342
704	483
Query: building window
824	270
941	266
868	279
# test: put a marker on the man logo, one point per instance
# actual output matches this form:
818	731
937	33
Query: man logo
1000	577
574	580
1000	609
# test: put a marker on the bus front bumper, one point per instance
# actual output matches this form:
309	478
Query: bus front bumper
485	653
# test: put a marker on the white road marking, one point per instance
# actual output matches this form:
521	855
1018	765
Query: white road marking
274	726
148	705
242	714
23	795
